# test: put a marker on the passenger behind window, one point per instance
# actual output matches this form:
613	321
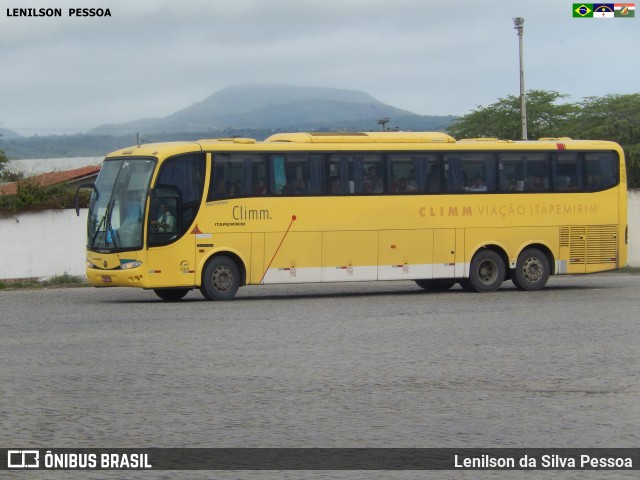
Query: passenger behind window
261	187
334	185
478	185
511	184
536	184
301	189
393	186
412	182
433	180
573	184
289	188
372	183
234	190
592	183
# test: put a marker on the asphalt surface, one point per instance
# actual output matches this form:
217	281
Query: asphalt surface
340	365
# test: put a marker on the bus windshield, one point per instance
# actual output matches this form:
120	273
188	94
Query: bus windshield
116	211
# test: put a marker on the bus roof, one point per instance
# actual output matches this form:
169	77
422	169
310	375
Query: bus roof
357	140
362	137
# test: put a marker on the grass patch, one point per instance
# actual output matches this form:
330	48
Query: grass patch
628	269
57	281
65	279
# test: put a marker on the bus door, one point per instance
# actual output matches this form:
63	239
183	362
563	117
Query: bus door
171	234
171	252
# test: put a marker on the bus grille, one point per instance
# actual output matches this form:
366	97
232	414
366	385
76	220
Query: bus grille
590	244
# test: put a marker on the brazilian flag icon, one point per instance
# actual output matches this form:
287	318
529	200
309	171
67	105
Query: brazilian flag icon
583	10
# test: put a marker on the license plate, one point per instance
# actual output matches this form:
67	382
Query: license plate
106	279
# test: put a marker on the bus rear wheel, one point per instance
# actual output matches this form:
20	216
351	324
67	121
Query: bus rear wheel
220	279
532	270
171	294
435	285
486	273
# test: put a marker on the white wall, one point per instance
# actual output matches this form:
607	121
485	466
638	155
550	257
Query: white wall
633	218
43	244
49	243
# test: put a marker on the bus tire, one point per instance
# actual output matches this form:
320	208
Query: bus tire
220	279
532	270
171	294
486	273
466	285
438	285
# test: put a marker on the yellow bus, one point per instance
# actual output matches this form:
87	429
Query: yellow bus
219	214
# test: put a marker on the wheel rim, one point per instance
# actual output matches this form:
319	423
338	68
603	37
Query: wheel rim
487	272
532	269
222	278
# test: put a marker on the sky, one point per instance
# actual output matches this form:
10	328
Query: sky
151	58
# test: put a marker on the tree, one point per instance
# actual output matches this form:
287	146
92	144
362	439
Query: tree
4	162
545	118
612	117
615	118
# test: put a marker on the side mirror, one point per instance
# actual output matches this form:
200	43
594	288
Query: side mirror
92	186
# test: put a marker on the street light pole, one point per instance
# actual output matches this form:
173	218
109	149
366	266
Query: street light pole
519	26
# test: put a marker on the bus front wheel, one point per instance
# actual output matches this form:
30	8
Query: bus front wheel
486	272
532	270
220	279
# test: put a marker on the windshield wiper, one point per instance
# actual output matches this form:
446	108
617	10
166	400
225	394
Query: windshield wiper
106	221
95	235
108	228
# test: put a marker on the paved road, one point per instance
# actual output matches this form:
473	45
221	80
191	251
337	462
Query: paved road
359	365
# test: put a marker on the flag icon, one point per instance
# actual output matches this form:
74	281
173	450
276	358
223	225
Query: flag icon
583	9
603	10
624	10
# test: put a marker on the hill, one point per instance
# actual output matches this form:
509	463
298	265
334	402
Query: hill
279	107
9	134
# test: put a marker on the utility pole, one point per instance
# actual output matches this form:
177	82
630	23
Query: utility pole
383	122
518	23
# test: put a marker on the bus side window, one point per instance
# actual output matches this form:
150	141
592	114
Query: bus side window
510	169
298	174
470	172
351	170
372	181
339	172
601	171
566	170
236	175
413	173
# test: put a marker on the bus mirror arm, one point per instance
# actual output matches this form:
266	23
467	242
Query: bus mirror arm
92	186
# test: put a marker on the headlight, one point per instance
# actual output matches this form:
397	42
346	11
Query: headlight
129	264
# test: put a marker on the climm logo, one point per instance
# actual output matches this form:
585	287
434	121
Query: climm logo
243	213
445	211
